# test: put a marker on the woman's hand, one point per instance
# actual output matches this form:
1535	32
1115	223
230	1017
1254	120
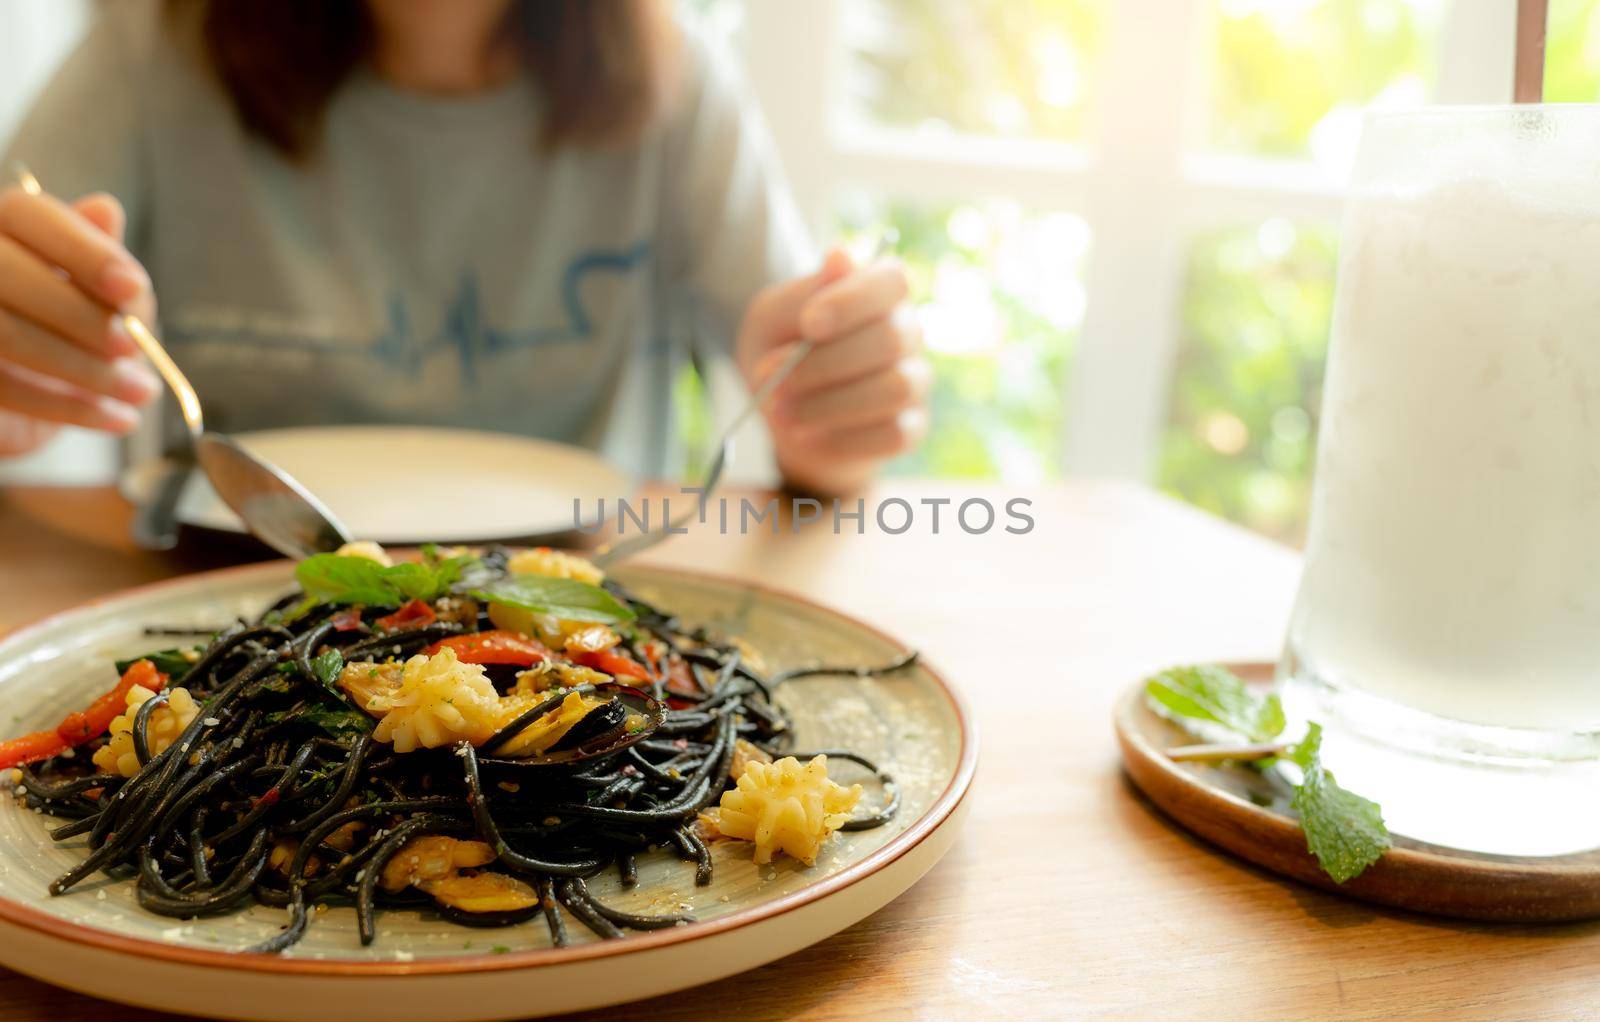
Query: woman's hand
65	358
860	397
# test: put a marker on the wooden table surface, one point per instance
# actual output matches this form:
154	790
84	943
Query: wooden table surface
1066	896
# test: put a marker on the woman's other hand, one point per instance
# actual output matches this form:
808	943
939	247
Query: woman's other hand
65	358
860	397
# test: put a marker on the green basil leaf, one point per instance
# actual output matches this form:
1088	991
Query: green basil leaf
280	684
289	615
337	720
341	722
174	663
327	666
563	598
448	571
411	580
330	578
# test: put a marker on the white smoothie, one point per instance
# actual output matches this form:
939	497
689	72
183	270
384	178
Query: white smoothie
1453	562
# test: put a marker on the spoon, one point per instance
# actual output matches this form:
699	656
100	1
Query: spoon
612	552
277	509
155	524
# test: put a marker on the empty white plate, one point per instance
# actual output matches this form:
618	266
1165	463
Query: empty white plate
407	484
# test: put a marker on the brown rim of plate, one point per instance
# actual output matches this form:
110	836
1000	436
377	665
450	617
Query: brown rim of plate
943	806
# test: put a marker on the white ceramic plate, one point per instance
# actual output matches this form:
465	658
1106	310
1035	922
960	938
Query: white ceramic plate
480	486
97	939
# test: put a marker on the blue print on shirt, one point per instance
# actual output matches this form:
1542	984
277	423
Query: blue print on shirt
463	326
465	329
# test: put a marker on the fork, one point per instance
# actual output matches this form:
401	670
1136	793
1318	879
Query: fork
610	553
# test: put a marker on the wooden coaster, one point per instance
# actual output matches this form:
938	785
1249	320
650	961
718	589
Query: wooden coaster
1247	813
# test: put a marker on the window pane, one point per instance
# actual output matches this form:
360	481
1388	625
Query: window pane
1002	298
989	67
1572	52
1248	383
1290	76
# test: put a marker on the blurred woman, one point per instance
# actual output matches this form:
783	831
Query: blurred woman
513	215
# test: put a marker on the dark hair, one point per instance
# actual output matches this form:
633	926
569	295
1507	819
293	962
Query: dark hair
604	66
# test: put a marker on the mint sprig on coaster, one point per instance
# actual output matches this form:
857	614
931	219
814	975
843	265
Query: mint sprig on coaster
1344	831
1206	692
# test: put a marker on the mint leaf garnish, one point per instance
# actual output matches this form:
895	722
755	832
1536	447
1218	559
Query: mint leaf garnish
563	598
1215	694
1343	830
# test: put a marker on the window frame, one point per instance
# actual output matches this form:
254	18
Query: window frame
1141	181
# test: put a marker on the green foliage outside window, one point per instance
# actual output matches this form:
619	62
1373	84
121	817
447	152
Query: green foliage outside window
982	67
1286	73
1289	81
1248	383
1289	78
1258	299
1572	52
1002	301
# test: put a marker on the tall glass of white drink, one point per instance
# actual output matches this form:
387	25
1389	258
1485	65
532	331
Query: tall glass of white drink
1447	631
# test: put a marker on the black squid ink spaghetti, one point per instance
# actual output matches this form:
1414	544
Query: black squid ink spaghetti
477	733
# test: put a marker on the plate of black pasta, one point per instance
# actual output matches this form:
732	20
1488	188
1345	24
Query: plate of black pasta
467	783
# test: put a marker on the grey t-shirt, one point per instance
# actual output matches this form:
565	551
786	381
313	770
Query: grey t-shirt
430	265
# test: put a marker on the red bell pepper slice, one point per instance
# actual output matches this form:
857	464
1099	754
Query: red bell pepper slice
496	647
30	749
347	620
413	614
78	728
618	665
674	671
680	678
83	725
